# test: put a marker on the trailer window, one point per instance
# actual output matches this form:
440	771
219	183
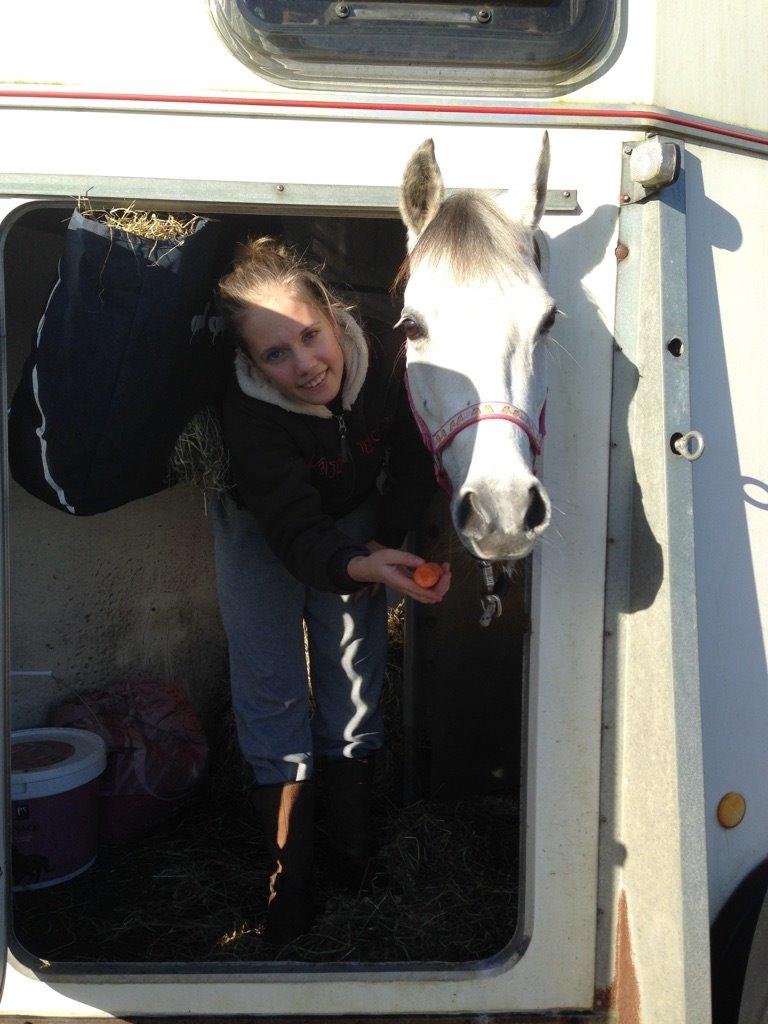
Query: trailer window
533	46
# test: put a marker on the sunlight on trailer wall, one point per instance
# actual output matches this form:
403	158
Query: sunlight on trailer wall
655	59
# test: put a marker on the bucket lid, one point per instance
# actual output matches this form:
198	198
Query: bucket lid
39	755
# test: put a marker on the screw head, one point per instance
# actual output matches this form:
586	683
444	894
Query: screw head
566	195
627	151
621	252
484	15
280	188
625	197
342	10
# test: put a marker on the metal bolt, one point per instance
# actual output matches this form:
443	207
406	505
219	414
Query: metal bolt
627	151
566	195
731	810
625	197
280	188
621	252
484	15
342	10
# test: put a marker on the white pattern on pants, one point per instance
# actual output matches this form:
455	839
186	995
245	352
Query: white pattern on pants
263	606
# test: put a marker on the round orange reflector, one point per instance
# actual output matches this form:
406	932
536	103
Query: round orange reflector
731	810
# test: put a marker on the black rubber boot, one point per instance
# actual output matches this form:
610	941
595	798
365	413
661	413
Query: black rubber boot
287	814
349	785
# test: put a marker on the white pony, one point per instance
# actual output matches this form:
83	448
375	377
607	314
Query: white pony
475	313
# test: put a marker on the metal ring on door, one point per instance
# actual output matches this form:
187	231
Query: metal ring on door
690	445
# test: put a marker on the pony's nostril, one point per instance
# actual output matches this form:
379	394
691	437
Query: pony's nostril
464	511
537	510
468	513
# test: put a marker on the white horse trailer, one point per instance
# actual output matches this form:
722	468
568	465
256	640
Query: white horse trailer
645	693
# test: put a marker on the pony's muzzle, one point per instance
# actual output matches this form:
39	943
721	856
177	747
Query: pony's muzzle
498	525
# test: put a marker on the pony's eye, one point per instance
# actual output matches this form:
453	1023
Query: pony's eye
548	322
413	329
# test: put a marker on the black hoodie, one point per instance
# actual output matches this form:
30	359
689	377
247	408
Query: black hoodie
299	467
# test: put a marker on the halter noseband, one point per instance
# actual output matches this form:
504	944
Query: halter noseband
436	442
487	411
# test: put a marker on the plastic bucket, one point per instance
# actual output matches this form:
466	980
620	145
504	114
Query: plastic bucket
54	804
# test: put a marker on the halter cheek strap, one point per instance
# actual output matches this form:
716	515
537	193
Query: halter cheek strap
438	441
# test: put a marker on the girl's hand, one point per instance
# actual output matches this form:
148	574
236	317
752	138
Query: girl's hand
372	545
394	569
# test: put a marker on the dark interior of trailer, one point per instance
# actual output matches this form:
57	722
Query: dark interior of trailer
129	595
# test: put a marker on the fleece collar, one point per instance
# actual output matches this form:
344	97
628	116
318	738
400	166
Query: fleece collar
355	349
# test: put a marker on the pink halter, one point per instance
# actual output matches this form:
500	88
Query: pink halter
439	440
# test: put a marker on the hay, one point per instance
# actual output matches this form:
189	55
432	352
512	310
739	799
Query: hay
447	891
159	227
195	892
199	457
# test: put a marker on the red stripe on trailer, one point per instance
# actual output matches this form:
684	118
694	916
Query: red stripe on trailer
401	108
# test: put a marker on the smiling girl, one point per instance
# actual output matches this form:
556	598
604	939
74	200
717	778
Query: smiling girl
330	474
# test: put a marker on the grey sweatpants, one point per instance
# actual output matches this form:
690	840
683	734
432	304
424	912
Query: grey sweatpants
263	607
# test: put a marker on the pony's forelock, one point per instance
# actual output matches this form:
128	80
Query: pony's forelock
474	239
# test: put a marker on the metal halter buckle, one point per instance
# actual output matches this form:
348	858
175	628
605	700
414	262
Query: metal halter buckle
495	591
491	608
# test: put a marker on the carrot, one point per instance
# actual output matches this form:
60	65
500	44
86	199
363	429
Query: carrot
427	575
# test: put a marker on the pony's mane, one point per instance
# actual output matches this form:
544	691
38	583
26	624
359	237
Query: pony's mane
476	240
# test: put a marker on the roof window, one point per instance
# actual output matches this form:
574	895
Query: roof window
536	47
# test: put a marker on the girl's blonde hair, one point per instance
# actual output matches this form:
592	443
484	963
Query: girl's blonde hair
262	264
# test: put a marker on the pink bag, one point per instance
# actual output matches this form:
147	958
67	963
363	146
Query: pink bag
156	752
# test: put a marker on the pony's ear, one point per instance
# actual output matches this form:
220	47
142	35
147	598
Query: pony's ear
421	192
527	206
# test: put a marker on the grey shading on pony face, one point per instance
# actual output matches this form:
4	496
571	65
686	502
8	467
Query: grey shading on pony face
476	311
472	235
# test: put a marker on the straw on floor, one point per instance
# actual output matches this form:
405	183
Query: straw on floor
193	891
